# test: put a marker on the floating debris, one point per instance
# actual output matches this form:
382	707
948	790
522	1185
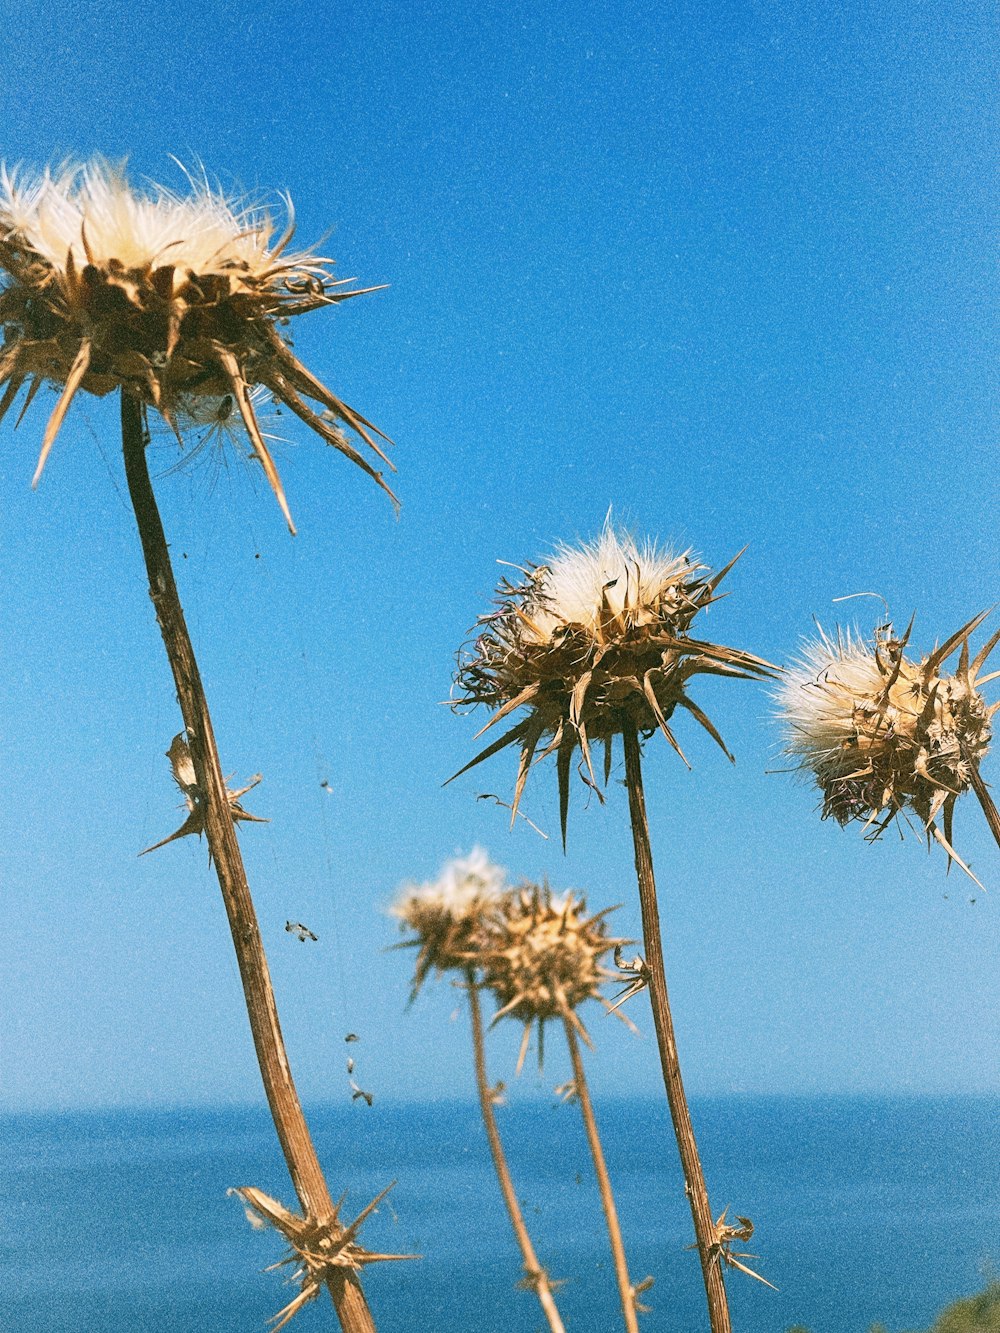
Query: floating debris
359	1094
301	932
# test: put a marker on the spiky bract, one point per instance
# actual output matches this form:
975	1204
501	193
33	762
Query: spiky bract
447	916
166	296
182	766
591	643
881	733
541	957
317	1248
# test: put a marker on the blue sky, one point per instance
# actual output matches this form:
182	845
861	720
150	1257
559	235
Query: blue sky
730	270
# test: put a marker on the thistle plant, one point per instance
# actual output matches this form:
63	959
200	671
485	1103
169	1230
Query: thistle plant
542	957
179	304
176	301
448	921
884	734
594	645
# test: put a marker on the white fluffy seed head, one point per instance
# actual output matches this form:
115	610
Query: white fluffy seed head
883	733
91	214
614	575
818	697
447	916
166	297
594	644
465	886
216	419
211	430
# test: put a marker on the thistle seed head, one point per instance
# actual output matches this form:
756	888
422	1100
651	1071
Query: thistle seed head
171	298
447	916
592	643
541	957
882	733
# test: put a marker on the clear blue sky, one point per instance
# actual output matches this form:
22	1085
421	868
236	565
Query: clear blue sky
728	268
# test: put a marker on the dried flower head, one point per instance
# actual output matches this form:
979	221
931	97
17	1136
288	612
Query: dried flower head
541	957
592	643
316	1249
881	733
172	298
447	915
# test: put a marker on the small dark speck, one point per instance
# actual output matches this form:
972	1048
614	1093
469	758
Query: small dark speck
352	1036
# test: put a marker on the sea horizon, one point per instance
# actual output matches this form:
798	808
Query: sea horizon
526	1093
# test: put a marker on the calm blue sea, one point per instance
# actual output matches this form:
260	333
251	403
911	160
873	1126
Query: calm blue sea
866	1209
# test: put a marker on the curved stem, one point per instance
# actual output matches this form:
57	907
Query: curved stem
536	1275
625	1288
694	1179
286	1109
985	800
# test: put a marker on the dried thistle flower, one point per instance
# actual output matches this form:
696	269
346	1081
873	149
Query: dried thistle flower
174	298
882	733
447	915
541	957
592	644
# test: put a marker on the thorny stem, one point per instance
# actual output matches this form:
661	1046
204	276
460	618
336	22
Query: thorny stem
535	1273
625	1288
985	800
694	1179
286	1109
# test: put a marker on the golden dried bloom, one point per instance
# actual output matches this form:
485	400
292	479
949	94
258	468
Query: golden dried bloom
542	959
172	298
881	733
448	915
592	643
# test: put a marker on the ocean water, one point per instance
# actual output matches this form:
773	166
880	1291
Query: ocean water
866	1209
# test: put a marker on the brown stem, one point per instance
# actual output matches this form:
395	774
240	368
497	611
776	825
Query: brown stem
625	1288
694	1179
985	800
286	1109
536	1275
